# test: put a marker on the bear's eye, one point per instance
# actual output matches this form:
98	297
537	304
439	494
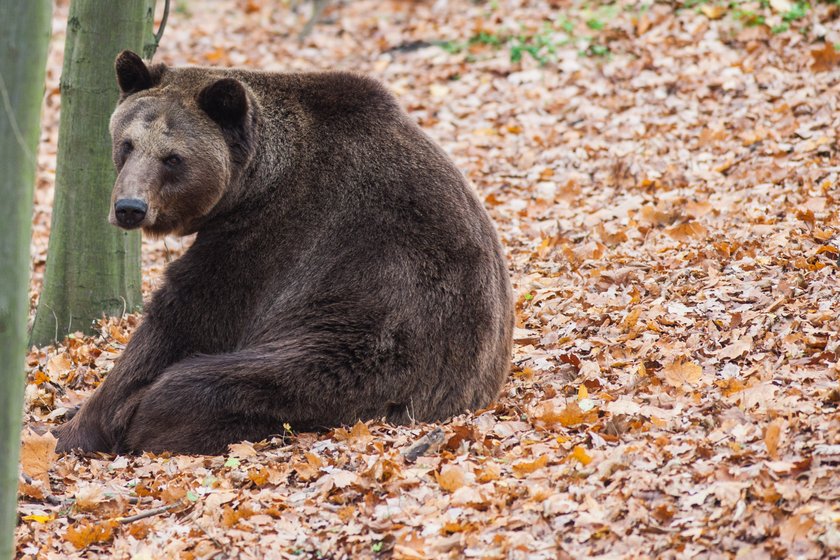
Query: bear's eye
127	147
173	160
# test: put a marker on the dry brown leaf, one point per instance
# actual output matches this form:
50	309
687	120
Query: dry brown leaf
242	450
117	334
359	432
655	217
713	11
737	348
309	469
85	533
230	516
488	473
59	365
687	231
698	208
450	477
795	528
89	496
37	455
259	477
772	435
826	58
682	373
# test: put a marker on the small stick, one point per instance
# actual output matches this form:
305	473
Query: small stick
56	501
426	444
148	513
49	498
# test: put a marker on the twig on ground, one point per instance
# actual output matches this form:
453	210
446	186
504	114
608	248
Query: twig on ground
49	498
429	443
149	513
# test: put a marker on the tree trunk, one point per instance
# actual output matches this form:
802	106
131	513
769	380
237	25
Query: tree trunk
92	267
24	36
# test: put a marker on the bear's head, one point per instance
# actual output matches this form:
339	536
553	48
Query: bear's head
177	145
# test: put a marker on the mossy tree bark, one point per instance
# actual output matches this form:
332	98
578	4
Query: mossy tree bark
93	269
24	36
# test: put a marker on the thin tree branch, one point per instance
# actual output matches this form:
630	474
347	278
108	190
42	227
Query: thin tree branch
149	513
159	34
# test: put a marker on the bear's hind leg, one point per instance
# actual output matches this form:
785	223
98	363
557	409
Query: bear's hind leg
204	403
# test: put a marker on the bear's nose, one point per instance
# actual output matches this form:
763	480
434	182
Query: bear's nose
130	211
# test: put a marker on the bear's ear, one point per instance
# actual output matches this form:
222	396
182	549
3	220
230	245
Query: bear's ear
132	73
225	101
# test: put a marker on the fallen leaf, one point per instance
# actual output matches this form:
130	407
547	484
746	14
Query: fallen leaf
737	348
781	6
259	477
37	455
85	533
230	516
359	432
450	478
682	373
242	450
713	11
795	528
89	496
772	435
59	365
38	518
687	231
826	58
579	454
309	469
527	467
570	416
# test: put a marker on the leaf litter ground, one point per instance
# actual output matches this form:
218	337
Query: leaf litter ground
664	179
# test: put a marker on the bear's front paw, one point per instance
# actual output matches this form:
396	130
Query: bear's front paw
74	435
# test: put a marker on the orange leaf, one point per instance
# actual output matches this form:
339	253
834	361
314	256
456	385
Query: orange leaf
580	454
572	415
730	386
117	334
521	469
359	432
84	533
216	55
681	373
772	435
260	477
686	231
251	6
309	469
450	478
488	473
231	517
828	249
825	58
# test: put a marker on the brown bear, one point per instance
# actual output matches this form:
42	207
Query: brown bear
342	269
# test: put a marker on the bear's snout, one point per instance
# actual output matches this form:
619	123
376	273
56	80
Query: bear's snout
130	212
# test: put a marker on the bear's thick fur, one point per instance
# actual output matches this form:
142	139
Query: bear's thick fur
343	269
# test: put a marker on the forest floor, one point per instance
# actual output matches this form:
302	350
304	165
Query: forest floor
664	178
